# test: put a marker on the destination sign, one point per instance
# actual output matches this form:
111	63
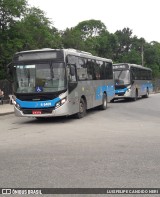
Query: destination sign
36	56
120	66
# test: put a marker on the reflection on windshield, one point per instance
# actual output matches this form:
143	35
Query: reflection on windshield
40	77
122	77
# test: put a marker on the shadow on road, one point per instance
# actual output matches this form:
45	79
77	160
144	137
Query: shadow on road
60	119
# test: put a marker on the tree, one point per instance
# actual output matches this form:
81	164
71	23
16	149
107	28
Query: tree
152	57
90	28
10	12
124	38
24	28
71	38
132	56
36	31
84	36
106	45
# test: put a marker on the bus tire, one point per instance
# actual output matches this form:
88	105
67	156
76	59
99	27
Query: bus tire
104	102
112	101
82	109
146	95
136	95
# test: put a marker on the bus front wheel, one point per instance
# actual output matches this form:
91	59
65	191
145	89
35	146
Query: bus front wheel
82	109
136	95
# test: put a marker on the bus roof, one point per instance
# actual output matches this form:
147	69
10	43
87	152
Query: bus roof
132	65
66	52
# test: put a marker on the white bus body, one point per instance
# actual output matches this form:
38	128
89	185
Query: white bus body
60	82
132	81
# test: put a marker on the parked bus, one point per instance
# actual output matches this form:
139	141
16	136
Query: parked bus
60	82
132	81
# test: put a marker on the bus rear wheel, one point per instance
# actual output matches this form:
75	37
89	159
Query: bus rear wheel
104	102
112	101
146	95
82	109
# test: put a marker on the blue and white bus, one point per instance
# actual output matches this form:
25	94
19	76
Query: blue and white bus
60	82
132	81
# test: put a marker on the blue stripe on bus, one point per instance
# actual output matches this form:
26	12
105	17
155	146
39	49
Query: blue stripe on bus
37	104
108	89
143	88
121	90
149	85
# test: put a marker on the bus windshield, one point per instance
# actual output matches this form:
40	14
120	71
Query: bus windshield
122	77
40	77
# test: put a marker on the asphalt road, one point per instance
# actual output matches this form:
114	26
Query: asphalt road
115	148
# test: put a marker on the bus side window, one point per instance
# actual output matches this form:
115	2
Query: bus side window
82	69
89	69
132	74
71	71
109	70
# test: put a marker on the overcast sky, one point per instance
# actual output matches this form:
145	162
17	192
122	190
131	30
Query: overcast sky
141	16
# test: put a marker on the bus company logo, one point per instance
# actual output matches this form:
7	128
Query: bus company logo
46	104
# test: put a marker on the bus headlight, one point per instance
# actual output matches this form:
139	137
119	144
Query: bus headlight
18	106
61	102
129	89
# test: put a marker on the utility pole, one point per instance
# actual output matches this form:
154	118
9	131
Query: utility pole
142	55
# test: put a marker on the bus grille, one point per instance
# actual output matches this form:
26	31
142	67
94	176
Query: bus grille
120	87
120	94
38	96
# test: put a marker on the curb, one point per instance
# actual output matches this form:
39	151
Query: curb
6	113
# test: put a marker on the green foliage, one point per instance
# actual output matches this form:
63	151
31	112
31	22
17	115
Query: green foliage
132	56
3	73
106	45
10	12
152	57
71	38
23	28
124	43
90	28
155	70
35	31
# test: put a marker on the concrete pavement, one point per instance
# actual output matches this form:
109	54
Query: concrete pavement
6	109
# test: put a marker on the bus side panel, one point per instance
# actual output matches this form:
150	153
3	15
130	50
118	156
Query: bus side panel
100	87
142	86
92	91
85	89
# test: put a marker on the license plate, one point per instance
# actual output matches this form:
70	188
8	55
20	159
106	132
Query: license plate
36	112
